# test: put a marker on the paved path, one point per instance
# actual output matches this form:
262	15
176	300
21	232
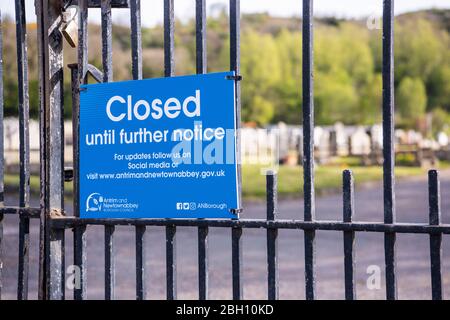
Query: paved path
412	252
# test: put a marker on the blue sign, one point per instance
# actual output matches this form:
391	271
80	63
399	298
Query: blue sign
159	148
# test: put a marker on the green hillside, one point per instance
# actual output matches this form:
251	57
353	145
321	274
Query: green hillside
347	65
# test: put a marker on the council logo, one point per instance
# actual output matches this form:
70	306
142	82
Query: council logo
94	202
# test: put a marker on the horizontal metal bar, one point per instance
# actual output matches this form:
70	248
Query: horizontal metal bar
97	3
26	212
70	222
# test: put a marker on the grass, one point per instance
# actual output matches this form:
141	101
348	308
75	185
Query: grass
328	178
12	184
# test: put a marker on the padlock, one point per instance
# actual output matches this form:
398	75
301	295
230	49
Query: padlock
70	25
70	32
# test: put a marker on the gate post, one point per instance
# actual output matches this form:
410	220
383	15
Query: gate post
51	113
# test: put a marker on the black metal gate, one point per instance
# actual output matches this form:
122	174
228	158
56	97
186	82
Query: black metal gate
51	213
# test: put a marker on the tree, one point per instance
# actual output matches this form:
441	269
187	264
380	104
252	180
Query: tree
335	98
357	56
411	99
260	65
287	95
370	101
347	65
440	121
438	87
261	110
419	48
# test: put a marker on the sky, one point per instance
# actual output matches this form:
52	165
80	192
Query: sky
184	9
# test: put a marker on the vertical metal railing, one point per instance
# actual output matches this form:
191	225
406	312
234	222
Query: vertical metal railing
235	65
141	258
272	236
107	77
106	40
136	39
54	147
201	67
388	146
41	34
79	233
24	148
2	161
109	262
79	72
349	236
140	231
434	196
308	146
169	71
